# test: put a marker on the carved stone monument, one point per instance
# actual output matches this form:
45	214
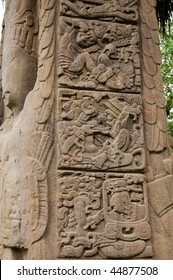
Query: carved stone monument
86	167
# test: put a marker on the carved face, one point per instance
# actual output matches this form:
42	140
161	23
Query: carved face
119	201
18	76
86	38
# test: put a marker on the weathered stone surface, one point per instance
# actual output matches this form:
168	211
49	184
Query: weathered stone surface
86	169
109	10
100	131
27	130
99	55
103	215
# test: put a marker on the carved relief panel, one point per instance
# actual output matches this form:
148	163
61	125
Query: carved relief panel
100	131
108	10
102	215
98	55
99	117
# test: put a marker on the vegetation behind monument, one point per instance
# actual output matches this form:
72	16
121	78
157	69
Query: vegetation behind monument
167	72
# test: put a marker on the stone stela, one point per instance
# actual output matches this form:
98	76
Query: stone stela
86	166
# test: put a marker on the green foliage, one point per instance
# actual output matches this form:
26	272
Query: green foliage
164	10
167	73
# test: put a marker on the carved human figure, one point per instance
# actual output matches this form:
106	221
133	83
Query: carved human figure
19	52
71	63
90	55
19	72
